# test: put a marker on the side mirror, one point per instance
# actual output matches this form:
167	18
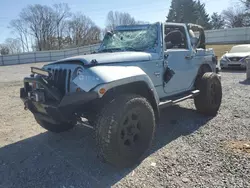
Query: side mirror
194	41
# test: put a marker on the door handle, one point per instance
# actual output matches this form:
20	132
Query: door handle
157	74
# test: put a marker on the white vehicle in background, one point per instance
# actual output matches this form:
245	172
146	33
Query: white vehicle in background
236	57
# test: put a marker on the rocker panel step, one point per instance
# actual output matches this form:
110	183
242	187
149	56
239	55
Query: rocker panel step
179	99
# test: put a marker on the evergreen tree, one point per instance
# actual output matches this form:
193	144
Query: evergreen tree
217	21
202	16
181	11
188	11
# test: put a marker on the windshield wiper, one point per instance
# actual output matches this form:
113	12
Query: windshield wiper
120	49
132	49
110	50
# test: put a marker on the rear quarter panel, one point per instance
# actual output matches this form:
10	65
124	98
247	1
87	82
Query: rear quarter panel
206	57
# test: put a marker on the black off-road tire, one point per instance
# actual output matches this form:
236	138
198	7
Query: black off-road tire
209	100
125	129
55	128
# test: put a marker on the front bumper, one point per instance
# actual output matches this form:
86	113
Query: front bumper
56	108
224	64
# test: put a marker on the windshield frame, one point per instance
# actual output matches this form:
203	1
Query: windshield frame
137	28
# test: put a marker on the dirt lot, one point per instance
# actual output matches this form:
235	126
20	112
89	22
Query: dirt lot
189	150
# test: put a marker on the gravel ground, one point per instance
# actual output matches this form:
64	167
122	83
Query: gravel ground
190	150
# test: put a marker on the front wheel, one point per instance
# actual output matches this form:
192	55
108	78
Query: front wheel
125	129
209	100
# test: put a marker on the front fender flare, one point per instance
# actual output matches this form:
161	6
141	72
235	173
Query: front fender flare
113	76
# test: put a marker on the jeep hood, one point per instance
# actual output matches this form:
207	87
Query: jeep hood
116	57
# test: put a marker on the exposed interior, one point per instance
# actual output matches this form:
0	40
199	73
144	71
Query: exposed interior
175	37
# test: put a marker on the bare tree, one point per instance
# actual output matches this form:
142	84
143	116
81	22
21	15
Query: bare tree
22	32
10	46
62	12
14	45
93	35
83	30
68	39
118	18
246	3
40	21
41	27
234	17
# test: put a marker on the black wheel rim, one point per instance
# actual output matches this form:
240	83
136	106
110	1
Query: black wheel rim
130	133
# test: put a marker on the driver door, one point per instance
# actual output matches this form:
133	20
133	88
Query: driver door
179	58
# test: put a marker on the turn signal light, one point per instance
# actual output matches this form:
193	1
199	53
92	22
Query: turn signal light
102	91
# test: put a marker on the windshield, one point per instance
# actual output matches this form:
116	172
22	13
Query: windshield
238	49
143	39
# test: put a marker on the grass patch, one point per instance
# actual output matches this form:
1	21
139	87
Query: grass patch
240	146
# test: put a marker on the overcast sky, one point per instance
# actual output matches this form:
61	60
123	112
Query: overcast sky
145	10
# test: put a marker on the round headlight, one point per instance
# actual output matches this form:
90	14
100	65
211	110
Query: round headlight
79	71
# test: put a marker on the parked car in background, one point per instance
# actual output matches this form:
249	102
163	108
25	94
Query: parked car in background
236	57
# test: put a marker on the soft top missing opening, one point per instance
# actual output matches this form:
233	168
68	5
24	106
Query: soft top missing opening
202	38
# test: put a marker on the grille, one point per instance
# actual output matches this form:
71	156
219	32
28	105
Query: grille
234	65
61	79
235	58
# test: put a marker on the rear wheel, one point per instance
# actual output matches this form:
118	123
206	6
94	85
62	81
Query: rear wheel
209	100
56	128
125	129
